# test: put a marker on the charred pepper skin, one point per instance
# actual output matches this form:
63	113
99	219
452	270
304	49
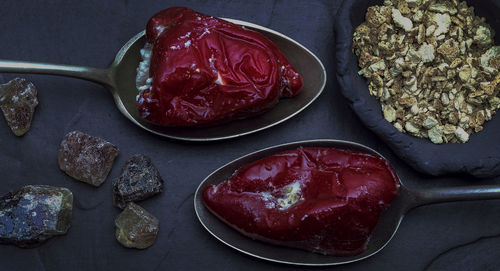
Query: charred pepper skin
206	71
319	199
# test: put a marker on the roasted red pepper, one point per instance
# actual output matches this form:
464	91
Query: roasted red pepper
319	199
207	71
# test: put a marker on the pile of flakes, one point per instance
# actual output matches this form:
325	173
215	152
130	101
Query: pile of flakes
432	65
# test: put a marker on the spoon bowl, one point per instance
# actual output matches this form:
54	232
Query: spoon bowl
119	78
386	228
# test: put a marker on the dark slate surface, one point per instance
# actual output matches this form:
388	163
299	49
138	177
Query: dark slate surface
480	157
442	237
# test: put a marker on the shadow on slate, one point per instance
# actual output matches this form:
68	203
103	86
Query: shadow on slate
479	157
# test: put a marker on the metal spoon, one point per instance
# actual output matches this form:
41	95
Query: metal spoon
382	234
119	78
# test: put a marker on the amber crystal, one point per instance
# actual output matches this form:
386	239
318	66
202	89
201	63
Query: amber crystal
135	227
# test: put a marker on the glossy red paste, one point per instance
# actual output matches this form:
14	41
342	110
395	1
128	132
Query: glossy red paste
340	196
207	71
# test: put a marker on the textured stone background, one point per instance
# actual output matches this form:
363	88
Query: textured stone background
442	237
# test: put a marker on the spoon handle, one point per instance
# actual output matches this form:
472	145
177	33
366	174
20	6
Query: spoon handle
101	76
464	193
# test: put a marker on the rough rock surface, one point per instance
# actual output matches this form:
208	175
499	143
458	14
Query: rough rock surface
135	227
34	214
86	158
139	180
18	99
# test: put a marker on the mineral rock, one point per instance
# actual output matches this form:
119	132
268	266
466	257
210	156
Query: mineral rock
18	101
139	180
86	158
34	214
135	227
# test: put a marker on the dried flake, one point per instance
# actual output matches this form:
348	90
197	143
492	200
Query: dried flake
411	128
398	126
401	21
449	129
18	99
489	60
465	74
426	52
435	135
413	3
389	113
86	158
461	135
432	65
374	18
139	180
494	102
449	49
418	16
378	66
443	8
483	36
430	122
443	22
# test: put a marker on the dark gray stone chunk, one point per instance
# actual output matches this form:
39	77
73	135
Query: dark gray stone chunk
135	227
139	180
86	158
18	99
34	214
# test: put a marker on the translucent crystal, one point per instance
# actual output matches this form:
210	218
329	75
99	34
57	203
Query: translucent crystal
135	227
18	101
34	214
86	158
139	180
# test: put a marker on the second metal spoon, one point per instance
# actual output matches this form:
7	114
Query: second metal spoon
387	226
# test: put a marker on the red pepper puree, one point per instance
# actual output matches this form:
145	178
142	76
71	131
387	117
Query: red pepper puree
207	71
319	199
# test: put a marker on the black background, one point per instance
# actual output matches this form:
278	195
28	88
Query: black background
455	236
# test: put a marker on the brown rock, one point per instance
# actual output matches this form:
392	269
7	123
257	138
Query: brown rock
86	158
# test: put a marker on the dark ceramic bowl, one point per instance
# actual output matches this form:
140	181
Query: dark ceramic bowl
479	157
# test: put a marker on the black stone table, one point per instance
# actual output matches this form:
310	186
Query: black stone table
456	236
